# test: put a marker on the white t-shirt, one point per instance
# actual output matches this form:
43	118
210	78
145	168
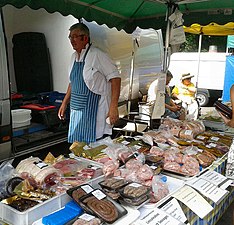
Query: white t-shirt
152	91
99	69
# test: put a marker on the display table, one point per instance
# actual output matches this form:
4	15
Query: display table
214	216
133	214
218	210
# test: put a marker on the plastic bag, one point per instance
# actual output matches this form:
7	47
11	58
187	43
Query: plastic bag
7	171
159	187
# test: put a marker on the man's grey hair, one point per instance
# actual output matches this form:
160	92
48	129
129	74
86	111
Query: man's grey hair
81	27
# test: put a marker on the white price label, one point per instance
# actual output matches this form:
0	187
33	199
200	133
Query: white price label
137	147
213	145
125	142
153	167
87	188
86	147
174	209
41	165
158	217
188	132
94	167
98	194
214	138
200	137
136	185
86	217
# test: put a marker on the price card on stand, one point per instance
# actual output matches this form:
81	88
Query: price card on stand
157	216
193	200
208	189
216	178
172	207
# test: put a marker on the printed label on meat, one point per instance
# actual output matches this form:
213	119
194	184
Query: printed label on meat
98	194
200	137
212	145
153	167
87	188
137	146
125	142
41	164
86	217
214	138
94	167
188	132
136	185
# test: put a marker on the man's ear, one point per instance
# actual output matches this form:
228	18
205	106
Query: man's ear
85	38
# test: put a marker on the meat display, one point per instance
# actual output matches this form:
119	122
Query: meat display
93	221
113	183
38	170
102	208
135	190
77	194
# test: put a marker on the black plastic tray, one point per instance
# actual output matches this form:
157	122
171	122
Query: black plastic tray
121	210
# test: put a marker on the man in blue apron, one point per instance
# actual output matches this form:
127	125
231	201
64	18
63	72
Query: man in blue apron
93	91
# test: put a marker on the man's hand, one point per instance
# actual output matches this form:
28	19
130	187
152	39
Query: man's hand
61	112
113	114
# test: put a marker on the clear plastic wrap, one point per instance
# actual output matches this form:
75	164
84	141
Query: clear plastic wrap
159	187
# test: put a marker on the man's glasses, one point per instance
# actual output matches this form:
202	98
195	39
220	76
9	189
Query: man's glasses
75	36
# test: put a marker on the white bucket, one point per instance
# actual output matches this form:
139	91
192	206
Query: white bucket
213	48
21	117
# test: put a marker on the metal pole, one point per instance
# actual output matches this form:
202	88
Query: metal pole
131	76
199	58
167	40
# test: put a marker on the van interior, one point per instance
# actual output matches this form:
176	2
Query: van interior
34	73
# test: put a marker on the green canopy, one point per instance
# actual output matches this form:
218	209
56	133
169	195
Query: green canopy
128	14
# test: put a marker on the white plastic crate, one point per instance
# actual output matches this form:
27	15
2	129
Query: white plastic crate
15	217
21	117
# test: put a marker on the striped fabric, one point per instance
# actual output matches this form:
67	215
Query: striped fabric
84	106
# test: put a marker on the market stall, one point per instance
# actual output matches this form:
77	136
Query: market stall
178	168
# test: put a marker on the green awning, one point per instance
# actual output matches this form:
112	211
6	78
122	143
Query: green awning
128	14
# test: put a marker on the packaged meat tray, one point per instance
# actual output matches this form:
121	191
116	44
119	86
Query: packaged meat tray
215	125
113	183
134	191
78	192
173	184
86	219
103	206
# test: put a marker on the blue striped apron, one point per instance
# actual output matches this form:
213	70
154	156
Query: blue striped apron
84	106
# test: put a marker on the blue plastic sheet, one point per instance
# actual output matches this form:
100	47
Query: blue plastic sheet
228	79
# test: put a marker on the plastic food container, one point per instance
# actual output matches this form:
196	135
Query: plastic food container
21	117
103	206
113	184
13	216
137	191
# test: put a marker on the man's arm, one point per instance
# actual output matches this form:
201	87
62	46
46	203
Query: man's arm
115	92
231	122
63	107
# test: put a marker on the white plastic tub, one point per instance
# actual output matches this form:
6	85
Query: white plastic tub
21	117
14	217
